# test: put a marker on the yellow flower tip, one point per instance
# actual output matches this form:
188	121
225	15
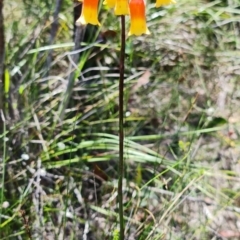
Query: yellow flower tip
89	13
160	3
138	25
121	7
130	33
110	3
83	21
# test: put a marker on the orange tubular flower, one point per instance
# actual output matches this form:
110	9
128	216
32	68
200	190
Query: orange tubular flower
160	3
121	7
89	13
138	25
110	3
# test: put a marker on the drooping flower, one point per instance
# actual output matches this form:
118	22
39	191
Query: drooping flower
121	7
160	3
138	25
110	3
89	13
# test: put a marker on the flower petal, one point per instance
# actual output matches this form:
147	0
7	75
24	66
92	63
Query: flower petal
89	13
138	25
110	3
121	7
160	3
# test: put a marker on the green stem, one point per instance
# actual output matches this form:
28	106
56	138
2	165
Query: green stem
2	105
2	57
121	132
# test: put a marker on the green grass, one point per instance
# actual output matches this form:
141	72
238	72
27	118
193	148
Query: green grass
59	178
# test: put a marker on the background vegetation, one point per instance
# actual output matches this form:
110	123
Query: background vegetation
59	177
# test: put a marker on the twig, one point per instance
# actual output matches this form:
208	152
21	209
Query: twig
53	33
55	21
26	224
80	30
121	132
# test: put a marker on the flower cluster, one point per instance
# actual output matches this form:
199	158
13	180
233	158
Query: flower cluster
134	8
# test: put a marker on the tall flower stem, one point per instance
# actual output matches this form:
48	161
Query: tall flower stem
121	130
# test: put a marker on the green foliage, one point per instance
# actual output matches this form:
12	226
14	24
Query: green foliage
116	234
